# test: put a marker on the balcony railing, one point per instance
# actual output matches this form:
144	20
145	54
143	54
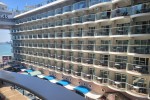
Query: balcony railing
100	80
102	32
88	33
87	60
117	84
77	34
79	5
117	65
143	91
67	71
88	47
58	23
67	46
143	69
86	76
69	58
77	59
93	2
103	15
119	48
141	29
60	57
58	11
77	20
77	47
88	18
76	73
67	8
67	21
141	8
103	63
102	47
140	49
121	12
121	30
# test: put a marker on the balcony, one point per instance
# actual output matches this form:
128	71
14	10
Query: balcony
100	80
88	33
59	69
77	34
103	15
52	35
76	73
88	47
51	24
60	57
140	49
68	58
60	46
77	59
67	34
87	60
103	63
77	47
77	20
59	35
88	18
67	9
117	84
52	56
121	12
139	91
102	47
94	2
121	30
67	71
79	5
67	46
51	45
52	67
141	8
136	68
102	32
67	21
141	29
58	23
120	49
58	11
117	65
86	76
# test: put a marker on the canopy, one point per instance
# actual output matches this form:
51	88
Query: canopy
28	70
82	89
63	82
49	77
34	73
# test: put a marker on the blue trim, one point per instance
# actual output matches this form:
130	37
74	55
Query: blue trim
49	77
82	89
28	70
63	82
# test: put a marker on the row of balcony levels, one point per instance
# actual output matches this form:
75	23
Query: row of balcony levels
134	84
125	11
122	63
103	31
122	46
